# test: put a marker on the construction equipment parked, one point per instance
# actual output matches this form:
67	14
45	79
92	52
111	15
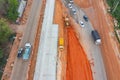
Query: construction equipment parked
67	21
27	51
96	37
61	43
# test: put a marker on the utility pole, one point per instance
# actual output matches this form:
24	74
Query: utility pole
114	8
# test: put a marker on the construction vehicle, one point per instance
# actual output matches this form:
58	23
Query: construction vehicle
27	51
66	19
96	37
61	43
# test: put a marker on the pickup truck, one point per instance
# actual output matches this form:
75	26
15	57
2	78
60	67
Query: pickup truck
27	51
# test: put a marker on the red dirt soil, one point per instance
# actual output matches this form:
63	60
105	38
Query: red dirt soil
58	19
102	21
78	66
84	3
8	68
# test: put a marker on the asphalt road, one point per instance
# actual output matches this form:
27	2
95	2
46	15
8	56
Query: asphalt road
93	51
20	68
105	27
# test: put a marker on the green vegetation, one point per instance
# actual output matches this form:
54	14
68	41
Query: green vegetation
8	9
12	13
115	9
0	74
2	7
115	12
3	61
2	2
117	37
5	31
1	53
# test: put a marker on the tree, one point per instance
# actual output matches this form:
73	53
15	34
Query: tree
12	13
5	31
1	53
2	2
115	6
2	7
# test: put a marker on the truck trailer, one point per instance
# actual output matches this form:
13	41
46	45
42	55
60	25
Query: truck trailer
96	37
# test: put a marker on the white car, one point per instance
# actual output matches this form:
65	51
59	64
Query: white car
74	11
71	1
81	23
70	6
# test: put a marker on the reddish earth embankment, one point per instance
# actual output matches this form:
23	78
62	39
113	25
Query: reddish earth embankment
78	66
103	23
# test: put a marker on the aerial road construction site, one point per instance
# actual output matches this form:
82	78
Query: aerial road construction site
64	40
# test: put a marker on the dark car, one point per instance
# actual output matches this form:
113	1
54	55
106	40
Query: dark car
20	52
85	18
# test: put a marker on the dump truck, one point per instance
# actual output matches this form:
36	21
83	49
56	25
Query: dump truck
27	51
96	37
61	43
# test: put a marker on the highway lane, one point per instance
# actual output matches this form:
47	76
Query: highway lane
93	51
101	20
20	67
106	28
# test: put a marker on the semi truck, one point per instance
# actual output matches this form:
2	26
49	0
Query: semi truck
27	51
96	37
